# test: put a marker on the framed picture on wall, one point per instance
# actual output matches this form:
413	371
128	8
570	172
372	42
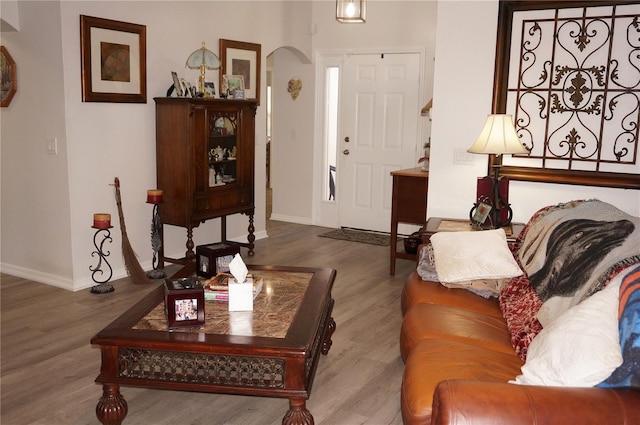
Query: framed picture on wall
113	61
243	59
9	78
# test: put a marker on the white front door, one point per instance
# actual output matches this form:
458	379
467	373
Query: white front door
379	133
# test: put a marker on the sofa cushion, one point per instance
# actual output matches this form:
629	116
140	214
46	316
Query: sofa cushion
434	360
418	291
628	374
580	348
428	321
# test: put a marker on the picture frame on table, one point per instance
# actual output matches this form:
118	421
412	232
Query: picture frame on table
184	302
9	77
214	258
231	83
176	83
241	58
113	61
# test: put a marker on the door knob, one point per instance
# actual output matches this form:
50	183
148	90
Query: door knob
346	139
346	151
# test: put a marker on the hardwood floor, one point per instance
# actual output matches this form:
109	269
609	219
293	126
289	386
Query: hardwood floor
49	367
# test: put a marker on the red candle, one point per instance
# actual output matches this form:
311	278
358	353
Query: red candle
102	221
154	196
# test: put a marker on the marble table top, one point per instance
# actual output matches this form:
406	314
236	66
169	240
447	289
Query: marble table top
273	309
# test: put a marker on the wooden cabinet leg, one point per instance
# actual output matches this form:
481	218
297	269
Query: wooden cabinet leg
112	407
297	413
190	255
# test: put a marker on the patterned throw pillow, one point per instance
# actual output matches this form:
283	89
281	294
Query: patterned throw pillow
628	374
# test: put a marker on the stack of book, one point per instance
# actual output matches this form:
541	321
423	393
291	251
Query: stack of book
217	288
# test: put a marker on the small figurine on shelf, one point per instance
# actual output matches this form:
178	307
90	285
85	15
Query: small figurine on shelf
425	159
232	154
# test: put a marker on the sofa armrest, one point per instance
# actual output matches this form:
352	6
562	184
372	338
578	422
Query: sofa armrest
473	402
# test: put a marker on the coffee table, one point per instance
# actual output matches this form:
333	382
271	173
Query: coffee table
272	351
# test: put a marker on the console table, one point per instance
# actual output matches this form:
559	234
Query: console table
408	205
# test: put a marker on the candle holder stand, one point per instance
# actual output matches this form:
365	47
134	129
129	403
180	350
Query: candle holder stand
98	272
156	244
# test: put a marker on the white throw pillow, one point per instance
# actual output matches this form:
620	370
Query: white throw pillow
472	255
580	348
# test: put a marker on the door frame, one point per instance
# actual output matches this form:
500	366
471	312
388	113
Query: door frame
326	213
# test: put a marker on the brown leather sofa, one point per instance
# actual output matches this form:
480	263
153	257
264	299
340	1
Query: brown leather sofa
459	359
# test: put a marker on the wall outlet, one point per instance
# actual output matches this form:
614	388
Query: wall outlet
52	145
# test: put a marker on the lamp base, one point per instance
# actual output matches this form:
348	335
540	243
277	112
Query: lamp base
492	209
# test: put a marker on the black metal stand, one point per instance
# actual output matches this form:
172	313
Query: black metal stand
98	274
156	245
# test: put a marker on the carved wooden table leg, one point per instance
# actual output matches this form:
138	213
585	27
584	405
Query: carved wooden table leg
112	407
297	413
327	343
251	237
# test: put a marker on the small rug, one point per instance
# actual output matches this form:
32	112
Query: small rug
358	236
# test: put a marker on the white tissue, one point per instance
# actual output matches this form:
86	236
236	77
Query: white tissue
238	269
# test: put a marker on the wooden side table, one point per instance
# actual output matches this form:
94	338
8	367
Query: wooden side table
439	224
408	205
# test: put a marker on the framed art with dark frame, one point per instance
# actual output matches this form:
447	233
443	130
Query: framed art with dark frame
566	71
9	78
113	61
241	58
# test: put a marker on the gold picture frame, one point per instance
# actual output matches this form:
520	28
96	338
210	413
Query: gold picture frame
113	61
9	78
242	58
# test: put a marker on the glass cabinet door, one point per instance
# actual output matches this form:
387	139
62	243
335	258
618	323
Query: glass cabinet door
222	149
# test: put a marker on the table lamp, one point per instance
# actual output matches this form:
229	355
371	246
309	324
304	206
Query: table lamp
498	137
202	59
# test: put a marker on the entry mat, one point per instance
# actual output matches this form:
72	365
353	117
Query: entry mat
361	236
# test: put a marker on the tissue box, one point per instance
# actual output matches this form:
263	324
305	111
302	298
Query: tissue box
183	302
240	295
214	258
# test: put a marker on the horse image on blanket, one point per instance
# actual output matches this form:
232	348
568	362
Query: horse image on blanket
574	249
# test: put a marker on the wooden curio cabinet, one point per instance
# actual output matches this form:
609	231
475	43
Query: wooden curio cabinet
205	154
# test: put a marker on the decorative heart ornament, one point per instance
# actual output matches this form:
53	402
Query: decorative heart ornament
294	87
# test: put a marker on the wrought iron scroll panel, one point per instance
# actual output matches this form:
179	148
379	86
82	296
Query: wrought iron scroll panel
569	72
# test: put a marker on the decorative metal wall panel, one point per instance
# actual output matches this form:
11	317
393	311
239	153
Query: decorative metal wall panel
569	72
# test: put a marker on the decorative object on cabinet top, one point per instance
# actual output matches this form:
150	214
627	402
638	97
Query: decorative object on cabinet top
202	59
241	59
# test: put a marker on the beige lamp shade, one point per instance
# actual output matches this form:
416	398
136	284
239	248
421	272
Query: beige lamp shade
351	11
498	137
203	59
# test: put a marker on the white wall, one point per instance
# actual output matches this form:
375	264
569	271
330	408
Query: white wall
463	84
292	141
36	224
